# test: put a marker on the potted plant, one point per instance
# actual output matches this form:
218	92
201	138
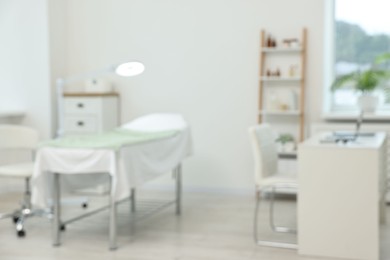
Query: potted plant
287	143
365	82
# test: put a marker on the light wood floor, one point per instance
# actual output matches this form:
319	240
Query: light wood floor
211	226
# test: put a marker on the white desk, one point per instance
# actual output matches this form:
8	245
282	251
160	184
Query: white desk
341	197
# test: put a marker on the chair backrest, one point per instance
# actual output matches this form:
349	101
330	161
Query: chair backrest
264	151
18	137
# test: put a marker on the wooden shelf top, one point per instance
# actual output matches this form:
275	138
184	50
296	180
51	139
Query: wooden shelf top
278	79
282	49
90	94
281	113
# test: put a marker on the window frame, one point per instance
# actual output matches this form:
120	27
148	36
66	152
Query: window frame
330	34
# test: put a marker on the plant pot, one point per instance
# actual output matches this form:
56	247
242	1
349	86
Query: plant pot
287	147
368	103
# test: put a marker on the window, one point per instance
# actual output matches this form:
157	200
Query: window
361	33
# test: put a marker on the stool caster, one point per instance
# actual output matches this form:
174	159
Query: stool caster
15	219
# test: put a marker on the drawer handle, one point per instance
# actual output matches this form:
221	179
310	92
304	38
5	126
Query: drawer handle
80	105
80	123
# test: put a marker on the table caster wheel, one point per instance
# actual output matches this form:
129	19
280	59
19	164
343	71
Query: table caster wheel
21	233
62	227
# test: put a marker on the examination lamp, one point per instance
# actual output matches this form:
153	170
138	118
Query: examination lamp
126	69
129	69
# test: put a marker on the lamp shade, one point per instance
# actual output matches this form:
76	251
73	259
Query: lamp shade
129	69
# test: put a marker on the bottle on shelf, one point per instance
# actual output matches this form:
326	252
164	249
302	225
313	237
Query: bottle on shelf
274	44
277	72
269	41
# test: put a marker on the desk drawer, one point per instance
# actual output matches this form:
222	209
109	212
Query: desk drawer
82	105
80	124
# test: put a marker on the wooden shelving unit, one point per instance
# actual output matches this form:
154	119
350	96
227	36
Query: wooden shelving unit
283	80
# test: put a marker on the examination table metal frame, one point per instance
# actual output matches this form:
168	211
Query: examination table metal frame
57	223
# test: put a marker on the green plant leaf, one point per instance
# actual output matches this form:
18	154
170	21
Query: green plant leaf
380	59
367	80
284	138
343	80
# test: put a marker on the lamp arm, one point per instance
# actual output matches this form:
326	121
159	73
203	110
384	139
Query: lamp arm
60	83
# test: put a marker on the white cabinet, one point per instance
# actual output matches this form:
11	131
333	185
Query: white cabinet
341	196
86	113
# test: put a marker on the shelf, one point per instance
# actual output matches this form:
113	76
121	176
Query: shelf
279	79
90	94
282	50
353	115
288	155
280	113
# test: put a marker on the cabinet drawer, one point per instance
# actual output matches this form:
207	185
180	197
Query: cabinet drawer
81	105
80	124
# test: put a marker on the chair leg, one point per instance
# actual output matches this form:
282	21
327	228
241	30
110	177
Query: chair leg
132	200
19	216
20	232
280	229
25	212
27	194
264	242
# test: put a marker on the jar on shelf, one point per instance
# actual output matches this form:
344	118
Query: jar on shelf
274	103
293	70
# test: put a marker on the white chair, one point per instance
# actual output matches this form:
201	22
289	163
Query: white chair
268	179
24	139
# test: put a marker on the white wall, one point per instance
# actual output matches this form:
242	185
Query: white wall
57	10
24	67
201	61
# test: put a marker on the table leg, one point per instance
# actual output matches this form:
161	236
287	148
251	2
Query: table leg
56	210
112	222
178	189
133	207
382	209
